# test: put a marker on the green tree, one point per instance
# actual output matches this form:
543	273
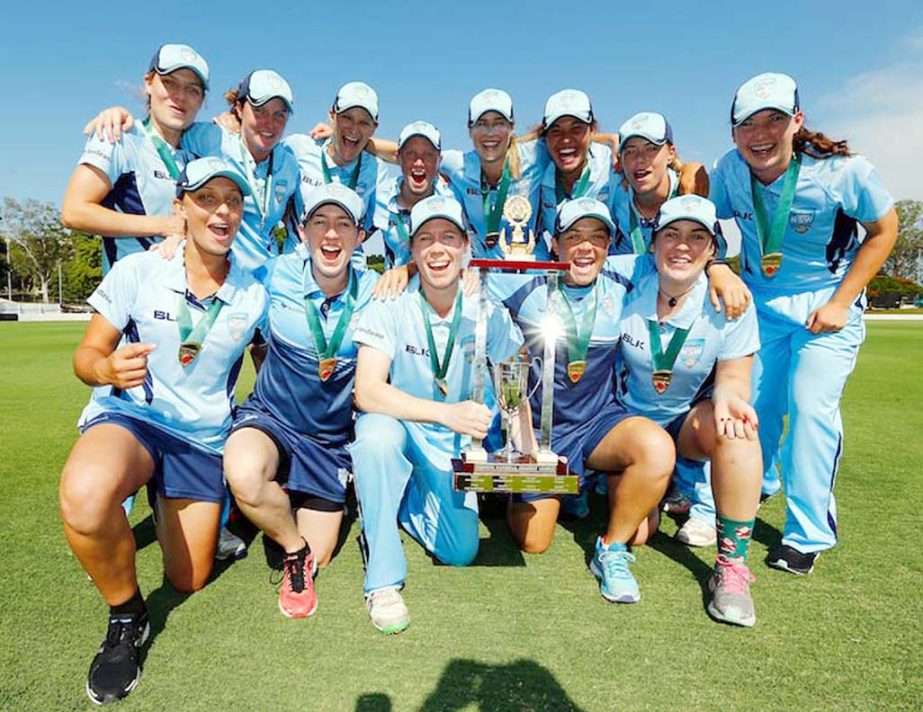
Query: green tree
906	259
40	243
83	271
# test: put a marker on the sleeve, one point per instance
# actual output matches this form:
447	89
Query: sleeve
262	323
204	139
114	298
633	268
107	157
741	336
504	339
717	191
377	327
453	163
864	196
534	152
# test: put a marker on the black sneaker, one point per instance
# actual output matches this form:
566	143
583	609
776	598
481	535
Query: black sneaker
114	671
785	558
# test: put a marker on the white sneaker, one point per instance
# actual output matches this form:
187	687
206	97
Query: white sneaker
387	610
230	546
697	532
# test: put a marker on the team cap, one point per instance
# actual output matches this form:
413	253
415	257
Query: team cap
436	206
198	172
171	57
490	100
262	86
334	194
570	211
420	128
688	207
765	91
570	102
648	125
359	94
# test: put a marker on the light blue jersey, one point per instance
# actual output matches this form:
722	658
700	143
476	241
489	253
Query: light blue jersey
463	170
624	213
712	338
395	327
273	182
141	183
822	238
392	221
311	154
288	385
141	297
599	162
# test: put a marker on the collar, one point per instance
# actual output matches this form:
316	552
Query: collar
691	309
309	284
175	276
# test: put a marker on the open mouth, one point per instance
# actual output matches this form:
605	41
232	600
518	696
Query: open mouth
330	252
642	174
418	177
438	266
350	144
221	230
762	149
679	261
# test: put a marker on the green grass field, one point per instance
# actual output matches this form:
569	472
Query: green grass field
512	632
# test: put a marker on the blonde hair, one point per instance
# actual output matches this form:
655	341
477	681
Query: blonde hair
512	155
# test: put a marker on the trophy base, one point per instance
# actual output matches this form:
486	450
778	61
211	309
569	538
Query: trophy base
525	475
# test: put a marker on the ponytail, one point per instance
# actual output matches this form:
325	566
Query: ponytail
818	145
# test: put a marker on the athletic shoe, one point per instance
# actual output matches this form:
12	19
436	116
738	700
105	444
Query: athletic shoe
731	601
676	504
785	558
230	546
114	671
387	610
697	532
610	565
297	598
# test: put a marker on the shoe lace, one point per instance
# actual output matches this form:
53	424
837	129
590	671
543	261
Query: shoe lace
385	599
293	569
616	563
120	630
735	576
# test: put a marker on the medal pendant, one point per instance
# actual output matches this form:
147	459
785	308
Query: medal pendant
188	350
770	263
326	367
661	381
492	238
442	386
575	370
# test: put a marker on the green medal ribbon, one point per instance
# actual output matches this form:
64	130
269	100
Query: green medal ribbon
354	178
249	165
638	245
327	352
402	230
579	187
578	342
192	338
440	370
163	149
493	210
770	240
663	362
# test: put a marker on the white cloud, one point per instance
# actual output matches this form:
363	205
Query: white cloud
880	113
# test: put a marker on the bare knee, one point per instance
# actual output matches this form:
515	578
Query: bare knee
188	580
652	452
532	526
85	506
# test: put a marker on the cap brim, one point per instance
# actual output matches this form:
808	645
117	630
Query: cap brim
174	68
554	117
230	175
441	216
331	201
266	100
604	219
710	228
646	137
788	111
421	135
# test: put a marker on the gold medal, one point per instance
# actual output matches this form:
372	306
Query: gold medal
326	367
770	263
661	380
188	350
442	386
575	370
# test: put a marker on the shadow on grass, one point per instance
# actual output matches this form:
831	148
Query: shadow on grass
520	685
766	534
373	702
584	530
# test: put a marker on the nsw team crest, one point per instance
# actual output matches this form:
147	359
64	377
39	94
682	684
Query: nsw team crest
801	222
691	352
237	326
280	189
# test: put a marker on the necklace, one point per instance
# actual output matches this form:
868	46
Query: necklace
671	298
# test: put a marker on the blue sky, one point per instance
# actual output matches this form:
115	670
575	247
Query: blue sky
859	66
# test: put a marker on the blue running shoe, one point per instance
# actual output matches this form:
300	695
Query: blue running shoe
610	566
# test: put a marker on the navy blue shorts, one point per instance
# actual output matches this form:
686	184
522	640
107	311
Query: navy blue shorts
580	443
675	425
306	466
181	470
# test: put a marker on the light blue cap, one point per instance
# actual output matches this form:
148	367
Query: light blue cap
198	172
420	128
570	211
765	91
689	207
649	125
359	94
436	206
569	102
336	194
170	57
262	86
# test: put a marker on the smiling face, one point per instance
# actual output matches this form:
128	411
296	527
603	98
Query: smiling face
681	250
491	135
419	162
438	249
645	163
568	140
331	236
175	98
262	126
585	245
212	214
352	129
765	141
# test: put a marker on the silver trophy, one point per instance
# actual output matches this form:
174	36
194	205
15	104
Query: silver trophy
511	383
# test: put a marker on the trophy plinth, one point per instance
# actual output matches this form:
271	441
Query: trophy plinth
525	474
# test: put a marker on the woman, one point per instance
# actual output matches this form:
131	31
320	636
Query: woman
413	384
162	352
293	429
798	198
124	190
687	367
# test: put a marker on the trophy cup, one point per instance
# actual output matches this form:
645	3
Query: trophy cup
541	471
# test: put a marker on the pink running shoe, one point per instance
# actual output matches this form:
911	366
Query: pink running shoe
297	598
731	601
